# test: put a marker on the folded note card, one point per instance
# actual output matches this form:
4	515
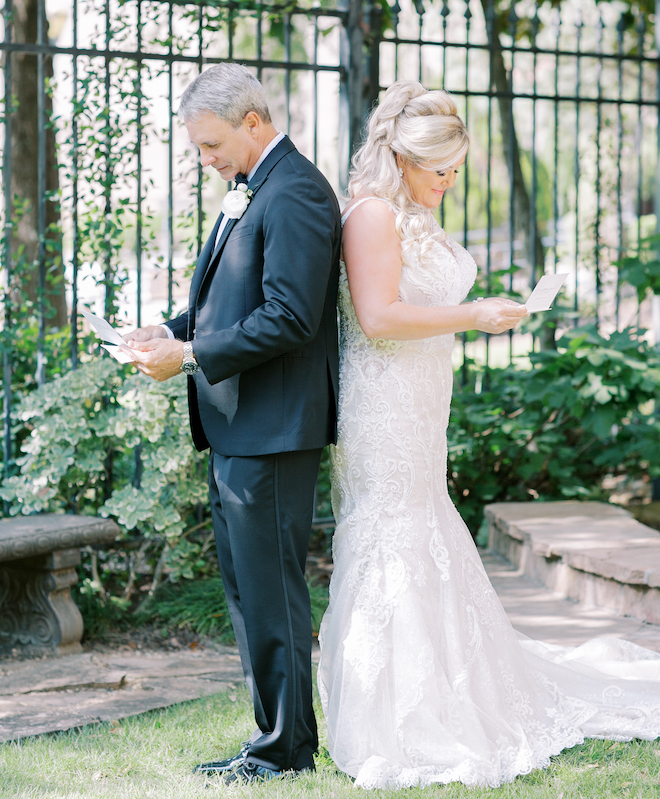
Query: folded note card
544	292
115	344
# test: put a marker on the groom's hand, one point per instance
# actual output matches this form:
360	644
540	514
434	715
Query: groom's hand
145	334
159	358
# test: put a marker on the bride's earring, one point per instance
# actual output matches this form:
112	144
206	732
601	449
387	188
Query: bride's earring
400	172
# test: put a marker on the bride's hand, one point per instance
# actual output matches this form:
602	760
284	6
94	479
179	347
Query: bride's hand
497	314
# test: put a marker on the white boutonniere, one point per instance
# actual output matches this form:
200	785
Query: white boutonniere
236	201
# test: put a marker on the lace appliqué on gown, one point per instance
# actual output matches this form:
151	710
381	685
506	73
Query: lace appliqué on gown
422	678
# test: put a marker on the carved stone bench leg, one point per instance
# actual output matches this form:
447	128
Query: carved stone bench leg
37	613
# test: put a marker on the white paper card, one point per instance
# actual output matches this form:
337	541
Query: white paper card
544	292
104	330
115	344
121	354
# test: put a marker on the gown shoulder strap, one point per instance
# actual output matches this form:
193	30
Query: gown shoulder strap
359	202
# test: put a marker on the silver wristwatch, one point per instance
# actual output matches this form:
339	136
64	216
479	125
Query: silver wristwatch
189	365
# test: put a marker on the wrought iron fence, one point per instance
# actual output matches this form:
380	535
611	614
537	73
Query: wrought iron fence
562	101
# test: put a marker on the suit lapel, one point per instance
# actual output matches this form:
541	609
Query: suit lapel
205	258
218	249
210	254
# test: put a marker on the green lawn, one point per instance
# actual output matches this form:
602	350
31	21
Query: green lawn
152	756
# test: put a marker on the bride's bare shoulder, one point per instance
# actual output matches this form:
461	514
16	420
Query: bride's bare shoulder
369	209
369	231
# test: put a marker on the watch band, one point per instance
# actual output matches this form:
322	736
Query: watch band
189	364
188	352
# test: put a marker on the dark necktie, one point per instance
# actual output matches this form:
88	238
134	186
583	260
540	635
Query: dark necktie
240	178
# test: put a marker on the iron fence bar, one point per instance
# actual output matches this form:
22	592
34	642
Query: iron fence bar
315	99
419	7
351	70
41	189
107	191
138	155
578	36
638	139
230	31
444	14
137	475
389	38
200	171
490	23
655	310
562	98
170	171
466	181
74	196
259	41
513	24
287	71
533	232
396	10
133	55
555	181
620	29
599	124
7	448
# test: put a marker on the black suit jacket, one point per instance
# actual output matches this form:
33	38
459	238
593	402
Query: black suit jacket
262	316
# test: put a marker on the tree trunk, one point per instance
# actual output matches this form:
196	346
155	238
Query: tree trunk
522	207
24	173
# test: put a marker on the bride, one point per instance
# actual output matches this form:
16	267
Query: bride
422	678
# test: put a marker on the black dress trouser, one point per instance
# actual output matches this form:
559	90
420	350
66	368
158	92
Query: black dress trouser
262	510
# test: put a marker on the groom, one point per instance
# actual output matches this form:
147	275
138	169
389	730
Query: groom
259	343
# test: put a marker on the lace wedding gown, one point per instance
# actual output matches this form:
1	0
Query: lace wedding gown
422	678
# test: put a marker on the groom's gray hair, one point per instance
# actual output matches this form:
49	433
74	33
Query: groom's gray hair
230	91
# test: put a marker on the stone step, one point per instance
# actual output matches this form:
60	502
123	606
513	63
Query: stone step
590	552
539	613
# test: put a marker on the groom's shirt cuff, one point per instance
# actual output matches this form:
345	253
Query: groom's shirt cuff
168	331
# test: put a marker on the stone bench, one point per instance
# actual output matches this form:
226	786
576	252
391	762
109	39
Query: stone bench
591	552
38	559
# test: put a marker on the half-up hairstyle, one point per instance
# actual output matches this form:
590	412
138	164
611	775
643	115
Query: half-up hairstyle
425	129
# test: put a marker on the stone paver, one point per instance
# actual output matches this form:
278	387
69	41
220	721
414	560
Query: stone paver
542	614
38	696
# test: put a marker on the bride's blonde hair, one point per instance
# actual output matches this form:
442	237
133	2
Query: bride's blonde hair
424	128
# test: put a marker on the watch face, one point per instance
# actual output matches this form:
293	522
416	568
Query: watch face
190	368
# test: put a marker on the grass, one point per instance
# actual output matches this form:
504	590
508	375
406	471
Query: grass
152	755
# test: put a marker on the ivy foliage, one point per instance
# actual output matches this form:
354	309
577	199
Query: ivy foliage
583	412
104	440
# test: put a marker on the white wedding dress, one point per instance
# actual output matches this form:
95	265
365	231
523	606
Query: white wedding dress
422	678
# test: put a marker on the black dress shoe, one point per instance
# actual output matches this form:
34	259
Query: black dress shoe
250	772
222	766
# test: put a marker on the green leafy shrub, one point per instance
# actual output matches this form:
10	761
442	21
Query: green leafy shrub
584	411
642	269
105	440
